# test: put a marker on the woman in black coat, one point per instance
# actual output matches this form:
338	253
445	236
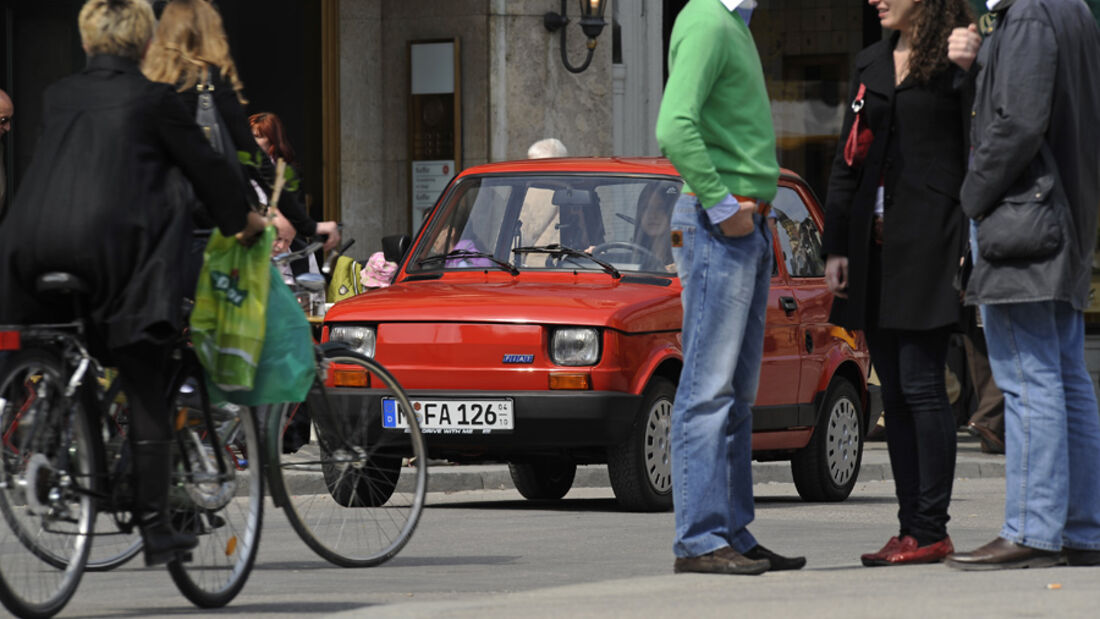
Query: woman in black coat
93	203
893	238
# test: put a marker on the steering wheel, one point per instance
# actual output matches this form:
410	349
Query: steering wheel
648	257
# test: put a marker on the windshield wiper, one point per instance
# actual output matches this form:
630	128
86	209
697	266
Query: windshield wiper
461	254
558	250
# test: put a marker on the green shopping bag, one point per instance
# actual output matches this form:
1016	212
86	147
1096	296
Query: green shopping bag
287	367
227	322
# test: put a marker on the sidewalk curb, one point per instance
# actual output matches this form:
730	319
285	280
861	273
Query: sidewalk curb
457	478
970	464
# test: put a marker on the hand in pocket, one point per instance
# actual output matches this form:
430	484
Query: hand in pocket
740	223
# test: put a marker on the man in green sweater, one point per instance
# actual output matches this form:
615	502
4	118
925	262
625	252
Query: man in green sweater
715	126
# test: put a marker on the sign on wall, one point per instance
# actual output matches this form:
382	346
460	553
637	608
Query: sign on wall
435	122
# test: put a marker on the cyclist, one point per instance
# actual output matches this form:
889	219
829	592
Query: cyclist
93	203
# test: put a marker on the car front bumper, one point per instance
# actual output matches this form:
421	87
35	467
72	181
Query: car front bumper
544	421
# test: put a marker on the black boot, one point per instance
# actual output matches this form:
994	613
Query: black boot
152	470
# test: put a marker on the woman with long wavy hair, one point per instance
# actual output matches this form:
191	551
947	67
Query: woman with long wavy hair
191	52
894	235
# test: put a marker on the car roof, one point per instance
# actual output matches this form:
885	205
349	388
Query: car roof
613	165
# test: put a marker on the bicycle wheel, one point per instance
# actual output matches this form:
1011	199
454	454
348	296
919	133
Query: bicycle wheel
346	492
217	493
47	469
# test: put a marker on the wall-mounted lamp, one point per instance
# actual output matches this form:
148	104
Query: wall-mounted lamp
592	24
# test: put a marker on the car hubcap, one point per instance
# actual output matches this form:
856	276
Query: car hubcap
843	441
657	446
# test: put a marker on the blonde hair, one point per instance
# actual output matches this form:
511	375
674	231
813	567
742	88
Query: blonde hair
190	38
116	27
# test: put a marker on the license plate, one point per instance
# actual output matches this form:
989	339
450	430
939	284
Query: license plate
452	416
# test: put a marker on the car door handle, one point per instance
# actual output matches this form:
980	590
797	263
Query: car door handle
788	304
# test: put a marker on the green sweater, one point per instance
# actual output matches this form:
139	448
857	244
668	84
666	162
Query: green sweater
715	121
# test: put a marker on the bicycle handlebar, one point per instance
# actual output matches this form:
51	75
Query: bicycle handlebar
294	255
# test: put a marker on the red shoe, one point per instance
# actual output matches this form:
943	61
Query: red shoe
872	559
911	554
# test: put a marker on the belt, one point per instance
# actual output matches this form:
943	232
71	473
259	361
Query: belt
762	207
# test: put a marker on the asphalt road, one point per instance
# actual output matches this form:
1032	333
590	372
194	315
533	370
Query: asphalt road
489	553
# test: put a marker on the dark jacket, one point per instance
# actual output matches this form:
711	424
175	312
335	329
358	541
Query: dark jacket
236	123
919	152
92	203
1039	84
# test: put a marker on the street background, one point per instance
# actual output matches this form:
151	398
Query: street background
483	551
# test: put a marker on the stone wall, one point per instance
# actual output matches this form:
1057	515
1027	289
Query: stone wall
533	96
514	92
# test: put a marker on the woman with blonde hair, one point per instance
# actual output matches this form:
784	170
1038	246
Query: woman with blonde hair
191	52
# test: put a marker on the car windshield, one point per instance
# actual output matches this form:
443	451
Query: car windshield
553	222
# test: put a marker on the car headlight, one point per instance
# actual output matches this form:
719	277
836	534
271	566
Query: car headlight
359	339
575	346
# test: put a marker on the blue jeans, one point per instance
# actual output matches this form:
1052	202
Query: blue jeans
1052	428
725	294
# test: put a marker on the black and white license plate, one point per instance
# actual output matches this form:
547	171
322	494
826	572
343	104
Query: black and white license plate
465	416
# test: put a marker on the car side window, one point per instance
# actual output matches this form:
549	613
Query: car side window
799	238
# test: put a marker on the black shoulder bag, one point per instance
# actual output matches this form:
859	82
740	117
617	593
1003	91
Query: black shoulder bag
213	127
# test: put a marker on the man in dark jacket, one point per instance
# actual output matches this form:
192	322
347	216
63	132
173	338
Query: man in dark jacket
93	203
1032	191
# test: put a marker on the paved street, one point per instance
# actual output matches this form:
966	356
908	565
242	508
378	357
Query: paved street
489	553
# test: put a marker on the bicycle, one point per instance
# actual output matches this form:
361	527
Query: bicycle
62	483
345	489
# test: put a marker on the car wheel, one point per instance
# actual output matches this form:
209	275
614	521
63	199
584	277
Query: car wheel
641	468
827	468
546	479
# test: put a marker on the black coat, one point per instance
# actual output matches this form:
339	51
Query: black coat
93	203
919	153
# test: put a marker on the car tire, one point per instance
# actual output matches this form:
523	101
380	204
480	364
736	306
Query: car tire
641	468
543	479
826	469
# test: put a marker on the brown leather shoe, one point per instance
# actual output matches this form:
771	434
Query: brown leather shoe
725	560
991	443
1001	554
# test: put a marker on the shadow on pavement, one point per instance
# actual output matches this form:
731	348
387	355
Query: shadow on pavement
303	608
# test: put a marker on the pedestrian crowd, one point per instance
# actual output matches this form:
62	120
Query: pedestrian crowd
965	187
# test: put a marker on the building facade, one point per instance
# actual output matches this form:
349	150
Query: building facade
385	99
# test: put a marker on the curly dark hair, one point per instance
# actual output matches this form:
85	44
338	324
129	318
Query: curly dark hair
933	24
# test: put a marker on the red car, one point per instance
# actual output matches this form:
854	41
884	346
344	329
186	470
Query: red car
535	319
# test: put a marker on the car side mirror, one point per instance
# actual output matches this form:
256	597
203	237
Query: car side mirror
394	246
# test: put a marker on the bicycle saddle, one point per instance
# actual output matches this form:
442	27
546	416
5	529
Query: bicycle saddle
57	281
